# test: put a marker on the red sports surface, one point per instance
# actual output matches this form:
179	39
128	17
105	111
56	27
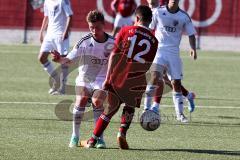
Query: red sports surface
215	17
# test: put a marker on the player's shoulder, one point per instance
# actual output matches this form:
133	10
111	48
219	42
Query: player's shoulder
110	37
67	2
159	10
83	39
184	14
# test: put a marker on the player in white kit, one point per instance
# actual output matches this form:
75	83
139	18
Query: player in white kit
93	52
57	20
169	23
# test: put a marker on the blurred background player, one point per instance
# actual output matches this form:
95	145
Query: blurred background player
170	22
57	20
93	51
154	5
124	10
135	49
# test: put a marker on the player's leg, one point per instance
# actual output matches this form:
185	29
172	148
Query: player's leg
189	95
126	120
155	85
62	47
175	74
47	65
104	119
190	98
98	99
82	95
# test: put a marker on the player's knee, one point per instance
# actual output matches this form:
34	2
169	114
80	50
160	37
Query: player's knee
156	76
42	58
81	101
97	102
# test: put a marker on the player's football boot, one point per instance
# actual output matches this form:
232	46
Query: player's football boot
57	92
191	105
73	142
155	109
182	118
122	142
100	144
88	143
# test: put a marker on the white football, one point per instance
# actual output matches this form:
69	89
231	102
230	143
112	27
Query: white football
150	120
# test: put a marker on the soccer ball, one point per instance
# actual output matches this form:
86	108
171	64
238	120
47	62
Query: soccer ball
150	120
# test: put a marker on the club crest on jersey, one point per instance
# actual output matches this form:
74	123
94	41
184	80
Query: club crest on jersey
175	23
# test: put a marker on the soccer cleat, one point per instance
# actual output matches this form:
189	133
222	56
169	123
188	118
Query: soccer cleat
74	142
87	144
182	118
52	90
101	144
122	142
57	93
155	110
191	105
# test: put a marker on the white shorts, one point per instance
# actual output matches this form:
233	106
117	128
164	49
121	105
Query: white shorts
55	43
121	21
169	62
92	85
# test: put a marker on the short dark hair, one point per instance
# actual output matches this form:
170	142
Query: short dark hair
94	16
144	13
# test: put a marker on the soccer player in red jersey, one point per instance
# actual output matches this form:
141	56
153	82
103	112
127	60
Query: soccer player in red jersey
124	10
135	49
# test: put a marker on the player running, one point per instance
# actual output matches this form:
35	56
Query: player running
93	52
57	20
135	49
170	22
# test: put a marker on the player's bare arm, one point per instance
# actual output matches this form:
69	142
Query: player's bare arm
43	28
56	57
193	52
67	29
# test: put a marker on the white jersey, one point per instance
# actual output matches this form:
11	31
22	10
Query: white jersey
169	28
93	56
57	12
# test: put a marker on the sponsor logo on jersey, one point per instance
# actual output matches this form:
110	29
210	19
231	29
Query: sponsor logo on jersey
99	61
169	29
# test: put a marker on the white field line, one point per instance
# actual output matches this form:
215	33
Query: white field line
164	106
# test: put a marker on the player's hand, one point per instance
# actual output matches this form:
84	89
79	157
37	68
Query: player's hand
41	37
64	36
55	56
193	53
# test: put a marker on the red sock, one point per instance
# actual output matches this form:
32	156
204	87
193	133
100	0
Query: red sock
126	119
101	125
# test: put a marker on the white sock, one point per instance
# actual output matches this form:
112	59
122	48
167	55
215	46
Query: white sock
155	106
78	113
149	93
178	102
63	77
48	66
96	114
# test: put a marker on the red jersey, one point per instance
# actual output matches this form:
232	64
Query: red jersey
124	7
135	49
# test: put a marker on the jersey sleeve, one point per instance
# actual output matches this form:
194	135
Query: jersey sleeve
153	24
189	27
45	10
77	51
67	7
118	42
